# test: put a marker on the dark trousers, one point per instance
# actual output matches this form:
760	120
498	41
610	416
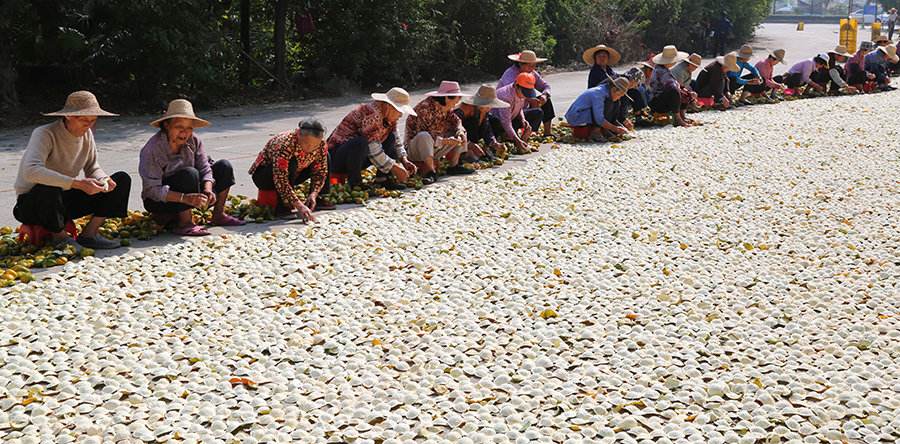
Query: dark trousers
857	78
637	99
669	101
50	207
891	26
792	80
187	181
547	113
264	179
880	72
757	89
733	86
352	157
822	77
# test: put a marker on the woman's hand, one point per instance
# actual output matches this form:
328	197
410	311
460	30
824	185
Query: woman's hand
304	213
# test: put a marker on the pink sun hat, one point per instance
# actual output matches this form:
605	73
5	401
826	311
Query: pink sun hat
448	88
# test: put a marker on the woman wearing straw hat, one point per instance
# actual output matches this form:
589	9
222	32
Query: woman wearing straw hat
640	94
713	80
178	176
836	77
877	64
507	122
666	94
736	80
473	111
368	136
526	62
49	191
600	58
435	132
856	66
288	160
684	70
801	74
766	69
588	113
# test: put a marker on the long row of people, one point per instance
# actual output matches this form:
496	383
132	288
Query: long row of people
671	83
448	126
178	175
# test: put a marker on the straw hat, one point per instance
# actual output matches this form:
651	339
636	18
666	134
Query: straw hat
526	56
841	51
447	89
620	83
180	108
778	55
647	65
396	97
882	39
81	103
694	59
486	96
746	52
891	52
670	54
588	56
729	61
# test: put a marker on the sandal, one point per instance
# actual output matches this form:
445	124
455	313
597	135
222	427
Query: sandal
191	230
228	220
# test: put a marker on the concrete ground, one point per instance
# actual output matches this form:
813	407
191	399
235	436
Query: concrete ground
238	134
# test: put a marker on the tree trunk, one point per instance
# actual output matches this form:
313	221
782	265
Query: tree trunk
245	42
280	31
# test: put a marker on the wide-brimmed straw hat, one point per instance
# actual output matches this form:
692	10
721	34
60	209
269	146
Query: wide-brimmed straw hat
729	61
526	56
891	52
620	83
841	51
694	59
180	108
778	55
448	88
746	52
588	56
882	39
670	54
396	97
486	96
648	65
81	103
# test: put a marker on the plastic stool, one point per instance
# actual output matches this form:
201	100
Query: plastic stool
706	102
582	132
36	234
267	198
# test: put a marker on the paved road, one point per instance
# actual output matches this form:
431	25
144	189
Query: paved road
238	134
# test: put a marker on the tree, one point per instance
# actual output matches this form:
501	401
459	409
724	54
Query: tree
279	41
245	42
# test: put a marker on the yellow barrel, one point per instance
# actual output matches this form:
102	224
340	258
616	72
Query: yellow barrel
847	36
799	26
876	30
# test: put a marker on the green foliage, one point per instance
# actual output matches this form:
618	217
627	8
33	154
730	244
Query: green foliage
141	53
